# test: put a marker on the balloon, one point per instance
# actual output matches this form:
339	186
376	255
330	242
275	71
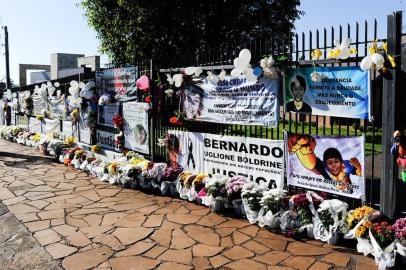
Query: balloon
366	63
190	70
245	56
74	83
87	94
51	91
257	71
214	79
143	83
377	59
43	86
337	43
346	43
198	71
58	93
222	75
236	72
344	53
82	85
178	78
250	75
238	63
57	84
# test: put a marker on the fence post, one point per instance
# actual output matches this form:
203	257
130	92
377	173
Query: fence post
390	109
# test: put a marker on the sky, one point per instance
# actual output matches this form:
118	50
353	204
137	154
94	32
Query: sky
38	28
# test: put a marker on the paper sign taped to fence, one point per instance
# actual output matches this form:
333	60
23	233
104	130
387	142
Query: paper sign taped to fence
259	160
107	140
332	164
34	125
51	126
330	91
233	101
136	126
67	129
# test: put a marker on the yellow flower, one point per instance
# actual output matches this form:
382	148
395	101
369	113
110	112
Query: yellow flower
330	54
39	117
95	148
385	46
316	54
70	140
113	168
372	50
36	137
360	231
200	177
135	161
353	51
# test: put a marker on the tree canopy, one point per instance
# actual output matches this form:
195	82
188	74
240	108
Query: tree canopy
130	30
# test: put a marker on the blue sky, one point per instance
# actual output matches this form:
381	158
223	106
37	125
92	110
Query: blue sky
42	27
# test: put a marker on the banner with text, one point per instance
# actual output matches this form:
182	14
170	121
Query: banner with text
233	101
107	140
330	91
118	82
331	164
259	160
136	126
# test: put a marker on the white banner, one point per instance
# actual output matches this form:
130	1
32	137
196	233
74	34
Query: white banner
85	133
34	125
233	101
67	129
136	126
331	164
259	160
51	126
106	140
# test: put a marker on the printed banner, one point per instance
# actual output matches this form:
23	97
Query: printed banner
327	163
34	125
136	126
67	129
119	82
233	101
106	113
335	91
85	133
40	104
106	140
57	108
51	126
259	160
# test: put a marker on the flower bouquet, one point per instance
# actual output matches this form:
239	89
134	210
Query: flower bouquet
273	204
234	188
168	180
251	195
400	236
215	187
156	173
382	237
329	220
184	183
77	159
358	222
55	147
301	214
198	188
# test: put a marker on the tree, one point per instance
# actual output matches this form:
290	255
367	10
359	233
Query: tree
130	30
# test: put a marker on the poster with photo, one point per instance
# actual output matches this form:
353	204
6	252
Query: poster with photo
106	113
333	164
135	115
333	91
233	101
118	82
259	160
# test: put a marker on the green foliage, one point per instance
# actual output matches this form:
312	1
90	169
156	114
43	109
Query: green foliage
130	30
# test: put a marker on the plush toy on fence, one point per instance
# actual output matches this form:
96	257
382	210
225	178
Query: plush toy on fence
398	149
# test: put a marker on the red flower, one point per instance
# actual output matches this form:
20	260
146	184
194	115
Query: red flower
118	121
148	99
174	120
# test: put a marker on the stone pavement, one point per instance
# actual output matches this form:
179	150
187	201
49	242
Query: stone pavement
86	224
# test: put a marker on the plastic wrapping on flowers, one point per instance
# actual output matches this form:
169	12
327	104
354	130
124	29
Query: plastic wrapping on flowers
215	187
273	203
382	237
251	195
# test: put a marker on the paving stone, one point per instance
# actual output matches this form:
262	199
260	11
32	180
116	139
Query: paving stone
251	230
136	249
14	200
201	263
233	223
132	220
27	217
201	212
338	259
155	251
37	225
211	220
297	248
275	244
5	194
133	263
131	235
167	225
320	266
255	247
203	235
76	222
19	209
153	221
38	204
299	262
112	218
225	231
46	237
202	250
277	267
181	240
183	256
226	242
218	261
108	240
93	219
93	231
65	230
240	238
245	264
272	257
183	218
162	236
237	253
59	250
174	266
365	263
87	259
108	192
78	239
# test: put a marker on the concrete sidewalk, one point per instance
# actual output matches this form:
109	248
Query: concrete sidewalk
86	224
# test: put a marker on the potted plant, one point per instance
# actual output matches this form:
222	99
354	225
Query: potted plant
273	204
251	195
234	188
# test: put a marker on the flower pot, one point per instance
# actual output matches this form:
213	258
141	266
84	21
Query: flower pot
218	205
334	238
238	208
310	232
